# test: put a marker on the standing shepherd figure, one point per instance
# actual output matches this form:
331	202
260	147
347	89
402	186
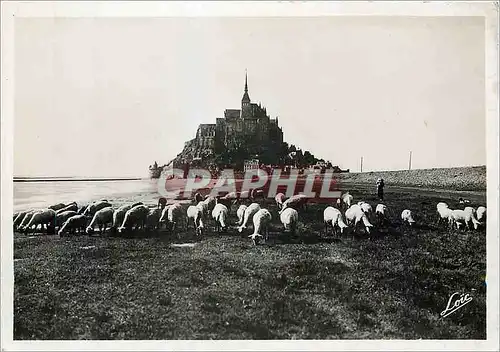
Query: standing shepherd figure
380	189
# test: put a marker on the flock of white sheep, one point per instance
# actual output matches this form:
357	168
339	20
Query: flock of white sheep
66	219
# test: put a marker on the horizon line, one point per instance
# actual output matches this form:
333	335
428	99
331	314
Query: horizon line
147	177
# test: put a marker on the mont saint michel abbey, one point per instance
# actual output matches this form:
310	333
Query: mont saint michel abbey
249	128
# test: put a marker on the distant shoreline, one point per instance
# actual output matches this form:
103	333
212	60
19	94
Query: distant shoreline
66	179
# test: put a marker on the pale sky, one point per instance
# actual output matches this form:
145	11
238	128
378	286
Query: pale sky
107	97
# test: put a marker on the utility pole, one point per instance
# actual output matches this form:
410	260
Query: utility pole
409	162
361	164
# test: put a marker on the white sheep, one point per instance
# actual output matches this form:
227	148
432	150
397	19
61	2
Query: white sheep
332	216
74	223
407	217
381	213
63	216
164	215
196	214
240	213
203	207
261	221
136	216
175	215
153	218
43	217
472	218
481	213
289	218
297	202
219	214
444	213
355	214
279	199
367	208
211	202
347	199
118	216
101	218
249	213
464	217
96	206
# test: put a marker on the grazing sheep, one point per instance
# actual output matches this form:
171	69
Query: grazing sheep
43	217
249	213
347	199
18	219
96	206
70	207
203	206
279	199
153	219
195	213
240	213
164	215
101	218
175	215
289	218
297	202
355	214
464	217
119	215
210	201
481	213
407	217
219	214
367	208
332	216
444	214
25	220
58	206
74	223
63	216
381	213
261	221
473	219
135	217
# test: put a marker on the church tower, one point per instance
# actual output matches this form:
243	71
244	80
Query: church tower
246	110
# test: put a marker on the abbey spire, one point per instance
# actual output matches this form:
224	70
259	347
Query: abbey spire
246	98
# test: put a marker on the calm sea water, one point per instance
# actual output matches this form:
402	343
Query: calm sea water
42	194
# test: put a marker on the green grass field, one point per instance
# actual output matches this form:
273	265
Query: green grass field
392	286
